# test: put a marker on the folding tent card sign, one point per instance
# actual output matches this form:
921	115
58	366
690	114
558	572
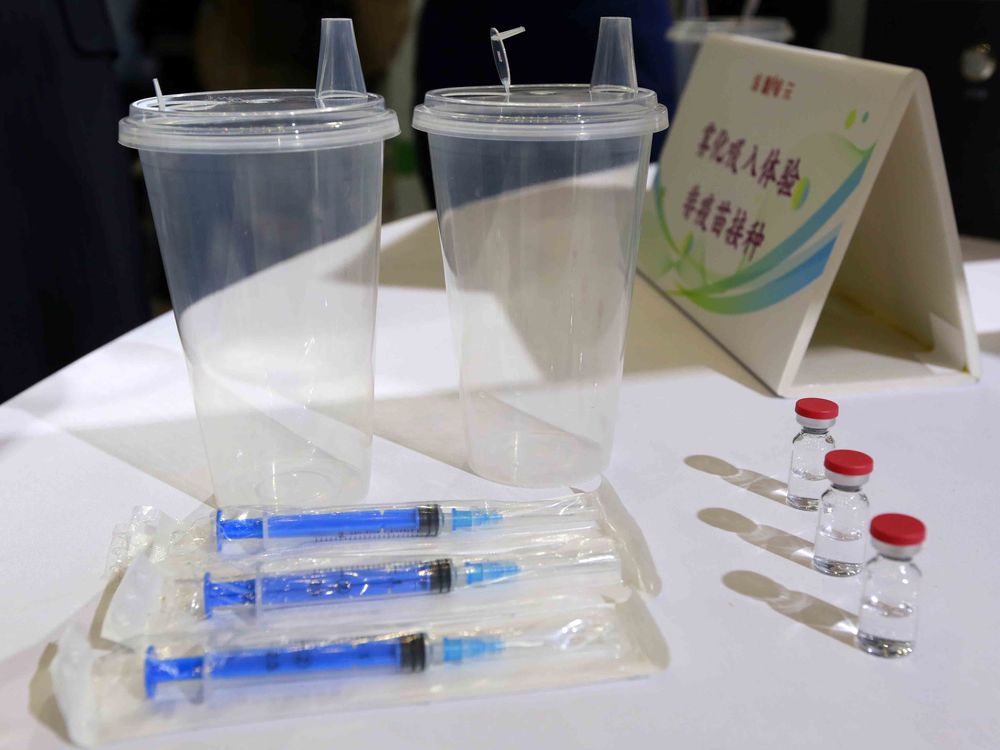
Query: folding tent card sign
801	216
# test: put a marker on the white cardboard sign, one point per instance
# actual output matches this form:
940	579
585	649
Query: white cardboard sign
801	216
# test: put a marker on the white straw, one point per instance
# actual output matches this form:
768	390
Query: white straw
508	34
159	95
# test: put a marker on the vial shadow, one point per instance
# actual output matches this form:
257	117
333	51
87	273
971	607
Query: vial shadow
750	480
776	541
799	606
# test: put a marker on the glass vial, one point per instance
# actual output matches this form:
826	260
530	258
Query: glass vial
843	514
807	477
887	622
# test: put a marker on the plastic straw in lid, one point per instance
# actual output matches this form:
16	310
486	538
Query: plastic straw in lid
339	71
614	62
500	54
159	95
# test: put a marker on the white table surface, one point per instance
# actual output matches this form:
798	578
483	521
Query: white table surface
754	658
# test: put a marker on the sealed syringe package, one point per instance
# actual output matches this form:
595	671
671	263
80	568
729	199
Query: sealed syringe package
213	592
254	530
169	683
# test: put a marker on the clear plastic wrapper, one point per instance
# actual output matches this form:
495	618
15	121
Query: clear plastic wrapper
263	530
252	529
168	683
216	592
148	532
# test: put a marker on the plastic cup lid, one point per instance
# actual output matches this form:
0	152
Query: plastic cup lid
557	112
256	121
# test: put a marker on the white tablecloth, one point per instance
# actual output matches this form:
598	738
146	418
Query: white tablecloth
754	658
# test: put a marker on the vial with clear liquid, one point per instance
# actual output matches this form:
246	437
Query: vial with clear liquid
807	477
842	525
887	622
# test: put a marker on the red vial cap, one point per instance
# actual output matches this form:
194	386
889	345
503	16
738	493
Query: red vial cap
898	529
849	463
816	408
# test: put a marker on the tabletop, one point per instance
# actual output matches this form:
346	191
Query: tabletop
759	655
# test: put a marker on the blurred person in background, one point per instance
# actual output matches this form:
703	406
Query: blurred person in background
73	275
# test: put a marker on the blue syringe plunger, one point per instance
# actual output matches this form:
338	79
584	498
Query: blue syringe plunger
156	670
239	593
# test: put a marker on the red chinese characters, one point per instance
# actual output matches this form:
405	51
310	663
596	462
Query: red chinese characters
691	202
768	168
730	224
789	177
772	85
765	166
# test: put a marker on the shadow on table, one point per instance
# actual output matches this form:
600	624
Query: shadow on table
775	541
799	606
990	342
660	336
33	665
414	259
41	699
431	425
171	451
750	480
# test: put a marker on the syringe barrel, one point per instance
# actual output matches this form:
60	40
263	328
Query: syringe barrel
417	520
393	580
421	520
323	586
339	584
406	653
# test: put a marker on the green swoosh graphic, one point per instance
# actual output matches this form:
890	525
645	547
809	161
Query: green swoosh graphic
775	290
804	272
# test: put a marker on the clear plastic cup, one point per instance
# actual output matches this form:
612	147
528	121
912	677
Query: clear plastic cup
539	193
687	34
267	207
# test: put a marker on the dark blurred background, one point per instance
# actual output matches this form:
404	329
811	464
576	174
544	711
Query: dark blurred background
81	263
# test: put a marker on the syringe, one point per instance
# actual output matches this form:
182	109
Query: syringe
407	653
418	520
321	586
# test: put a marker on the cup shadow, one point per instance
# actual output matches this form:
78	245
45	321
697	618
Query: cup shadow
990	342
750	480
816	614
768	538
430	424
41	698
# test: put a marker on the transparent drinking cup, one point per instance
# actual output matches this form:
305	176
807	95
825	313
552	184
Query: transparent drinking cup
539	193
267	207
